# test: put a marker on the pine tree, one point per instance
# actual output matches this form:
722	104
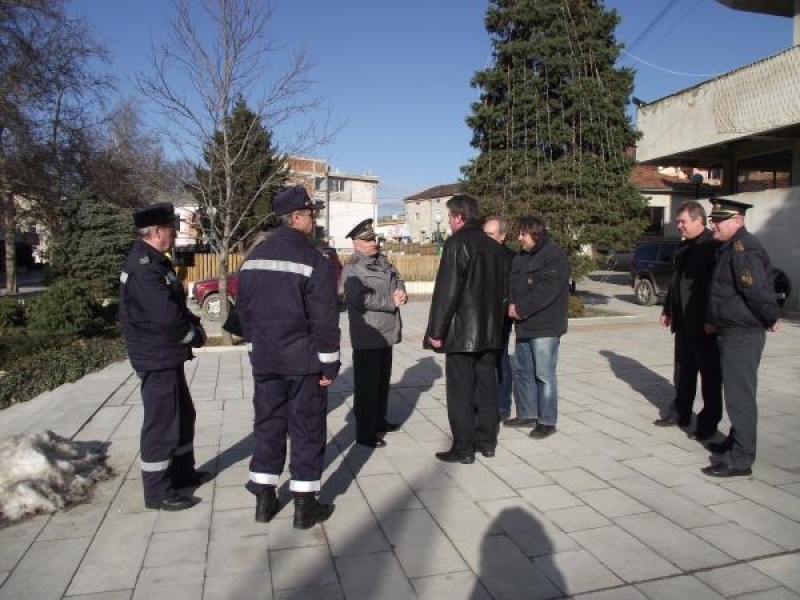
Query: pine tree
550	125
92	244
257	173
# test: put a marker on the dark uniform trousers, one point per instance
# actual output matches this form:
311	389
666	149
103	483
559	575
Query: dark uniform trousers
472	399
372	373
740	354
698	354
293	404
167	438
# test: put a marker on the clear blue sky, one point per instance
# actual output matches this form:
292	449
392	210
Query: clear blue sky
398	73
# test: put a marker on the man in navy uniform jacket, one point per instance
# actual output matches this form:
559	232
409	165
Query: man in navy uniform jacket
290	319
160	332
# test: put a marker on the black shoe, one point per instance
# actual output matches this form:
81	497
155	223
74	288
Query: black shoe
720	447
372	442
308	512
519	422
723	470
487	451
666	422
266	505
702	436
542	431
456	457
196	479
173	503
387	427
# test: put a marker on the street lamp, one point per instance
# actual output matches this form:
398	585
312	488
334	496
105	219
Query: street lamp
697	180
437	216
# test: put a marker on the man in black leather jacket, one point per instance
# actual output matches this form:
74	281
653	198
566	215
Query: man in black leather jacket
466	323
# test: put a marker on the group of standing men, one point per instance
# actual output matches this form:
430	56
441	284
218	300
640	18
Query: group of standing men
481	289
720	303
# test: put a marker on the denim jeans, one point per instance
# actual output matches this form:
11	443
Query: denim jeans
535	384
504	383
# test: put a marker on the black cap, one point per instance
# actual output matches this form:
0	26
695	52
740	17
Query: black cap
362	231
291	199
725	209
160	213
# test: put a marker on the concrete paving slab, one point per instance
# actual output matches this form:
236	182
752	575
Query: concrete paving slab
678	587
735	580
784	569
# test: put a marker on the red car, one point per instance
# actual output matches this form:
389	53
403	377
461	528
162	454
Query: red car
206	291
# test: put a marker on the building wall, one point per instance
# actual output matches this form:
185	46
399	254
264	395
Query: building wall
421	216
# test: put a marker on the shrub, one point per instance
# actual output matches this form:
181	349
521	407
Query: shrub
11	313
46	370
18	344
575	308
66	307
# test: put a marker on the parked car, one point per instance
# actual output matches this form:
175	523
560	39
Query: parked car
652	267
205	292
619	260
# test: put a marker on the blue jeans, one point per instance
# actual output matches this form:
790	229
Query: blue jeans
504	383
535	384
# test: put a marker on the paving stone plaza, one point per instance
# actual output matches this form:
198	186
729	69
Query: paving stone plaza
610	507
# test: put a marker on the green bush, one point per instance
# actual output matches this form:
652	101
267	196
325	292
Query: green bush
575	308
11	313
18	344
67	307
46	370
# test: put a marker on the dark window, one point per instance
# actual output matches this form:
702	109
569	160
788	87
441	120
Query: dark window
656	224
647	252
765	172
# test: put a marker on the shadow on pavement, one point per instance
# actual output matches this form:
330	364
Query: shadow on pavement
652	386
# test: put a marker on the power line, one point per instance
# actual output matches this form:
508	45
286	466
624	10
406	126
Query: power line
646	31
670	71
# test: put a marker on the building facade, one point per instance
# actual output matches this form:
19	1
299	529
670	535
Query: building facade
426	212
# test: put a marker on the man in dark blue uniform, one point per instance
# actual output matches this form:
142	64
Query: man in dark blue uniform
741	308
160	332
290	318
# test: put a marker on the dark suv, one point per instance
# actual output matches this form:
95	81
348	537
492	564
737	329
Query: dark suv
652	267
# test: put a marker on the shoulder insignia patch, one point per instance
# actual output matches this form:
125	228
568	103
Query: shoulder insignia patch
145	260
738	246
746	279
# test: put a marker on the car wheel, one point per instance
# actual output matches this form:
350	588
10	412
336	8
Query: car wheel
645	294
211	307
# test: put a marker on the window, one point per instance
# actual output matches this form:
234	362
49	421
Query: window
335	184
765	172
655	216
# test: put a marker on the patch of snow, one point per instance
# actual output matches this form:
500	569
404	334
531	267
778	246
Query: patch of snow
43	472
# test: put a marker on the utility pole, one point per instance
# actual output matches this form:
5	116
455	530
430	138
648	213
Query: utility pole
328	203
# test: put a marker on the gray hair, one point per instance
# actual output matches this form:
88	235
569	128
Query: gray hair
502	224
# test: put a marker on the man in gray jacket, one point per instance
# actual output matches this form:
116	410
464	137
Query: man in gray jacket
538	304
374	291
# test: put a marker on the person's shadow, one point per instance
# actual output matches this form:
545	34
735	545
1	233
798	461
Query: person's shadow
653	387
416	379
516	556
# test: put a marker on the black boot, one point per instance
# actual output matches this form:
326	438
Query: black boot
307	511
266	505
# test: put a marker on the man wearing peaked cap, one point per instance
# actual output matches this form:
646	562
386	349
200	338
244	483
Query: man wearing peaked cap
160	213
374	292
362	231
160	332
289	313
741	308
291	199
722	208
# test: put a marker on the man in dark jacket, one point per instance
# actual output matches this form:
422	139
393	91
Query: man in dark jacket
289	312
685	313
160	332
466	323
538	303
741	308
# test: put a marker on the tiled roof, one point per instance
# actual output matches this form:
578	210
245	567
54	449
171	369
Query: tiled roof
439	191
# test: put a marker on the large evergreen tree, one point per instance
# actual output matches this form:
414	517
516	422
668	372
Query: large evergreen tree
240	206
550	125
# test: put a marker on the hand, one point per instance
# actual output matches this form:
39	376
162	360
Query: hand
199	338
665	320
434	342
774	327
709	329
512	312
324	381
400	297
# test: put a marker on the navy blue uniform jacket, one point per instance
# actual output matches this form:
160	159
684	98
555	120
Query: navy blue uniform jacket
288	307
159	328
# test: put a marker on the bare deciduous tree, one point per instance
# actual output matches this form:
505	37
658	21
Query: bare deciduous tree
222	51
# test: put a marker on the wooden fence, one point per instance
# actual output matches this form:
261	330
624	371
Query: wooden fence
413	267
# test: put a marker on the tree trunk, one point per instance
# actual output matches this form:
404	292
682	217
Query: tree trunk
9	227
227	338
